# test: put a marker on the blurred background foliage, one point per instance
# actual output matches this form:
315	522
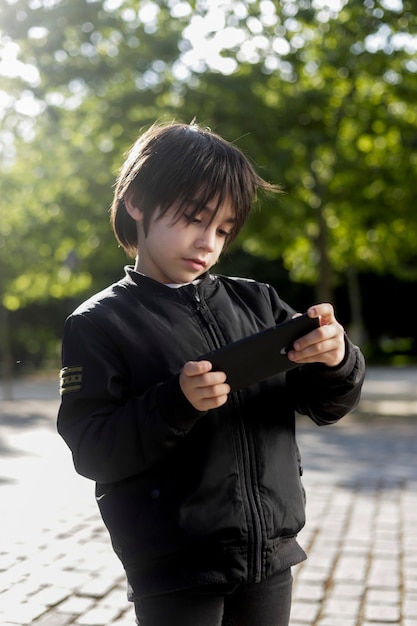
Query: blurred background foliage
320	94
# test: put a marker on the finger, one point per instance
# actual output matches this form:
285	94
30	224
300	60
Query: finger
324	311
317	340
203	385
214	391
196	368
214	396
206	404
312	338
328	349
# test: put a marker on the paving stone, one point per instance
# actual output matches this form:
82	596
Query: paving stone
342	607
24	613
350	569
57	567
75	605
309	592
52	618
385	596
50	596
410	608
304	612
98	616
97	587
384	573
116	597
313	574
345	590
382	613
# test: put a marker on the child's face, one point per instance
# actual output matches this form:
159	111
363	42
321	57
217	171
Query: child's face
180	251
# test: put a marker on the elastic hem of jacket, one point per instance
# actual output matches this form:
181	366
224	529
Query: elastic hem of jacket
199	568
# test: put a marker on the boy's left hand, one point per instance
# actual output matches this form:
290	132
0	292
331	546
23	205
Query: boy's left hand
323	345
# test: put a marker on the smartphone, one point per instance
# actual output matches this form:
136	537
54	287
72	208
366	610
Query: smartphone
259	356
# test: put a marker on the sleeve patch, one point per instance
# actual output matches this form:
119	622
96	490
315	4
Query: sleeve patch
71	379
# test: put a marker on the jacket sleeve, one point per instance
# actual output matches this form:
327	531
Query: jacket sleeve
112	433
323	393
326	394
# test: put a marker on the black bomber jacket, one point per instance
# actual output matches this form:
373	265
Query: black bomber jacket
191	498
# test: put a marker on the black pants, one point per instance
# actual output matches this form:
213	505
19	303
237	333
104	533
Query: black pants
260	604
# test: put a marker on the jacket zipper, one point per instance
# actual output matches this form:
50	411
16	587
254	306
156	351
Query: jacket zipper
249	468
247	455
206	316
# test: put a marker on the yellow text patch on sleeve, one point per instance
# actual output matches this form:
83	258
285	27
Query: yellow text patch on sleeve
71	379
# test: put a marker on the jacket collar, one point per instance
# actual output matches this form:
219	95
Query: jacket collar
206	286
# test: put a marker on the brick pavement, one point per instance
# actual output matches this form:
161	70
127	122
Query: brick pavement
57	567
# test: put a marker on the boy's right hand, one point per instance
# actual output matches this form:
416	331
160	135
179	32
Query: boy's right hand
203	388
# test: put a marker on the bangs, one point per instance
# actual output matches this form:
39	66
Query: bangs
206	172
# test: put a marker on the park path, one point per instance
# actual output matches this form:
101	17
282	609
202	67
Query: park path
57	567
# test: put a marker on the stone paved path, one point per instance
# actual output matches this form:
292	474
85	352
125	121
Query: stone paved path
57	567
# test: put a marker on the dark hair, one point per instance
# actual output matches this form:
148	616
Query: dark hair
185	166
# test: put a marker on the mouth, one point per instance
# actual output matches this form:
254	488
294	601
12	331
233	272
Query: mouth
196	264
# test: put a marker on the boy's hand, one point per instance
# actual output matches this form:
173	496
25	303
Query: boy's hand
203	388
323	345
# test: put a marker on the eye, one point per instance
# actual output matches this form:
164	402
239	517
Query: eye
192	219
224	233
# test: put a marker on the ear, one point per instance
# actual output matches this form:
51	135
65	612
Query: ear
134	211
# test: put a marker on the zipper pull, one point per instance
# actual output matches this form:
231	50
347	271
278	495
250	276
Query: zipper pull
197	299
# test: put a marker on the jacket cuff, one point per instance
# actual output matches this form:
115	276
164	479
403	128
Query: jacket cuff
345	367
174	407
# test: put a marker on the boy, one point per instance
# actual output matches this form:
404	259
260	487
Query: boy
198	486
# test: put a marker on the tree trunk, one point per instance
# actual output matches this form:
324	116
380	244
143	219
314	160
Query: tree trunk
6	369
357	332
324	289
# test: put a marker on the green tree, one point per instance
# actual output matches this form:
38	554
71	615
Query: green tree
89	78
100	75
321	99
329	105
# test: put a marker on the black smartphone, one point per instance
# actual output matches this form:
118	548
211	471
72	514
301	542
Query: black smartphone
259	356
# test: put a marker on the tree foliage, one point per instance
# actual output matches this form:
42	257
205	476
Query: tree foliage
319	94
336	123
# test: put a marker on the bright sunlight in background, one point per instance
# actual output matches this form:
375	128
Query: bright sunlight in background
12	67
207	39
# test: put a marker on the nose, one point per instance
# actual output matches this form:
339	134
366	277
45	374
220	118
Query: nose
207	240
